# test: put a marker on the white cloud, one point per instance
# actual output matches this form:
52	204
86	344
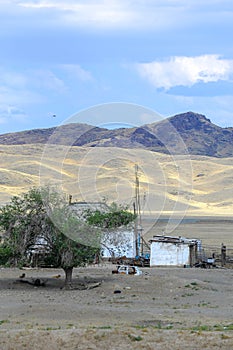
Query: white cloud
29	86
81	13
45	78
12	79
139	14
33	86
42	78
9	95
77	72
9	114
185	71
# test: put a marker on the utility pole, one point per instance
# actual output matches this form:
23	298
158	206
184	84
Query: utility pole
137	211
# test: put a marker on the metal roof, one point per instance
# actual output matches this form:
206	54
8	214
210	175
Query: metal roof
173	239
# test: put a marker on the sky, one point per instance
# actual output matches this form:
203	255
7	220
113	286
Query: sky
60	58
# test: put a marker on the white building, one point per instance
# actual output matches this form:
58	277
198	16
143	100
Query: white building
173	251
118	243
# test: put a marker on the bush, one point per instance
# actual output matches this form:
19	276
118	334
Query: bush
5	254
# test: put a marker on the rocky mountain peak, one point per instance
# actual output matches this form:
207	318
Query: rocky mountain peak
189	121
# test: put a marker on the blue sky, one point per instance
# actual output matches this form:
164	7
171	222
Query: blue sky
62	57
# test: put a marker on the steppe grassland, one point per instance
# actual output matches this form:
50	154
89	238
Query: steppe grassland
202	185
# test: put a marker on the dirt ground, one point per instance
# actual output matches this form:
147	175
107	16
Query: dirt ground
164	308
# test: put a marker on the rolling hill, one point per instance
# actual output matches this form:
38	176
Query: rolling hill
196	185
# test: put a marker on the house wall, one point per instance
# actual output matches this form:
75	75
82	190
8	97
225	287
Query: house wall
169	254
118	243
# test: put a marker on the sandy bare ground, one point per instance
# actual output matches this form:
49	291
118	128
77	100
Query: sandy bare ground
165	308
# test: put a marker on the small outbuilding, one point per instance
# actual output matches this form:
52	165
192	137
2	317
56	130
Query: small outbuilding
173	251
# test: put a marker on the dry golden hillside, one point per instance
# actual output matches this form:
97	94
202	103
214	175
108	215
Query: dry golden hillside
197	185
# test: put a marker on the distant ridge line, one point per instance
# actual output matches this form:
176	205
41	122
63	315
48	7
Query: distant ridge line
199	134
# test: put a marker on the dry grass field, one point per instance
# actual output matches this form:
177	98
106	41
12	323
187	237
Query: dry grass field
196	186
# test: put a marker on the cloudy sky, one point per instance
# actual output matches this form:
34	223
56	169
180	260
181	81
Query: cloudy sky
62	57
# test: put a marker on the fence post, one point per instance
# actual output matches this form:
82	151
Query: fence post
223	255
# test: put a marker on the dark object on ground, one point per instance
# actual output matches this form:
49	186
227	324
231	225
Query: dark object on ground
206	263
117	291
37	282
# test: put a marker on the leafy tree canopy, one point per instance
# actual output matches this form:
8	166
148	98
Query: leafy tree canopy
113	217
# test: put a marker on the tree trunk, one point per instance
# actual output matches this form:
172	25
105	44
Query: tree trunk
68	279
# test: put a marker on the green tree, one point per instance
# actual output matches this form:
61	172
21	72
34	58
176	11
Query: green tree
110	217
22	221
44	215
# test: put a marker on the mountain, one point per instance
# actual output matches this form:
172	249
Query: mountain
57	135
186	133
192	133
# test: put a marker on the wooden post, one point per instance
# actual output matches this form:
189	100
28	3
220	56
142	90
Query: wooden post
223	255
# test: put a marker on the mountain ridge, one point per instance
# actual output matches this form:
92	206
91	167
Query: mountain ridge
185	133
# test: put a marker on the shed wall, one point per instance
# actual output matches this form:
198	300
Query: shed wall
169	254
